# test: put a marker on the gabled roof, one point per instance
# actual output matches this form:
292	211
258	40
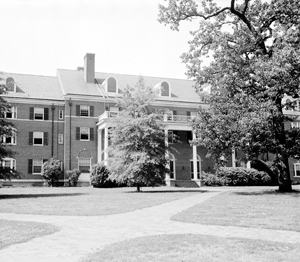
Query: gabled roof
72	82
34	86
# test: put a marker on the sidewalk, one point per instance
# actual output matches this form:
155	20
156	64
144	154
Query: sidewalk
80	236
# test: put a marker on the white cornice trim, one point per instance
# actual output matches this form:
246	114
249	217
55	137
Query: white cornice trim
21	100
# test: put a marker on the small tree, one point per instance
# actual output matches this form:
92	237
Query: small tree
6	130
73	176
51	170
137	152
99	175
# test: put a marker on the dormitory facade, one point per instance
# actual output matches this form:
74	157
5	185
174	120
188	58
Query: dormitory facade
67	117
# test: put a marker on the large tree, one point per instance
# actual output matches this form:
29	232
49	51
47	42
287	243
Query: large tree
254	48
6	130
137	152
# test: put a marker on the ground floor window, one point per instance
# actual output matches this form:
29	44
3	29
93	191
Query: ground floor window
8	163
172	166
297	169
35	166
84	164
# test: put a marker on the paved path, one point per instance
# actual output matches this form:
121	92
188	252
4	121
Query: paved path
81	235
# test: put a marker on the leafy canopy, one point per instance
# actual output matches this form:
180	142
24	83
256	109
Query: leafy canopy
137	140
254	47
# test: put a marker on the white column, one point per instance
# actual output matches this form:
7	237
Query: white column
105	144
195	158
99	146
168	183
249	164
233	158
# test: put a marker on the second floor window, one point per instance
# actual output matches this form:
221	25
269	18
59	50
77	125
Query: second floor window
85	133
61	114
38	138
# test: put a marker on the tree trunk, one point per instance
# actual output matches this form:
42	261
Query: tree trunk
284	179
138	188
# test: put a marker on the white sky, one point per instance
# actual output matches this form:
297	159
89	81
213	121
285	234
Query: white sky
39	36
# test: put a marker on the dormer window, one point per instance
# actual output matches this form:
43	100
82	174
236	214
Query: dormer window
111	85
163	89
10	85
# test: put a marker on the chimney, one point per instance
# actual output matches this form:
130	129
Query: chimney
89	68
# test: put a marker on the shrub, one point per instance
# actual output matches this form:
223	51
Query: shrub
99	176
209	179
239	176
73	176
51	170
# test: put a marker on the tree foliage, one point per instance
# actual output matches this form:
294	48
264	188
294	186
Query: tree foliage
254	48
51	170
6	130
137	140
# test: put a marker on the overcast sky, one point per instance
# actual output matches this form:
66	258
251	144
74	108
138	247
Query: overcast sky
39	36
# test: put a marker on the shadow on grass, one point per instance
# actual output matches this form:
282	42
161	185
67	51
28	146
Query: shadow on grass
294	193
169	191
38	195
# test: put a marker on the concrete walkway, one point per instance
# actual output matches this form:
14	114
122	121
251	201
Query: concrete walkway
82	235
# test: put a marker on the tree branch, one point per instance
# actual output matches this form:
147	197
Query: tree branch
239	15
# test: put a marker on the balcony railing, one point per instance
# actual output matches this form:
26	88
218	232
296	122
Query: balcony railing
165	117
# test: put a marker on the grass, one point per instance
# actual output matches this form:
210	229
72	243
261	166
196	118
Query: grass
85	201
13	232
258	209
173	248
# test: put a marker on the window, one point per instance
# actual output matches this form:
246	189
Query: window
172	166
10	84
83	110
9	140
12	114
85	133
295	124
35	166
60	138
297	169
164	89
111	85
60	114
198	167
38	138
38	113
8	163
84	164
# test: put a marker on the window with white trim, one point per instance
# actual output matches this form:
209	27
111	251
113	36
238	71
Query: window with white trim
60	139
38	113
84	164
37	166
60	114
9	140
84	110
8	163
84	133
38	138
12	113
295	124
297	169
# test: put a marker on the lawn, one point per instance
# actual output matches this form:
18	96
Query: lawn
259	209
173	248
13	232
85	201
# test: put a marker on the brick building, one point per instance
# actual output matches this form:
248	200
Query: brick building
68	116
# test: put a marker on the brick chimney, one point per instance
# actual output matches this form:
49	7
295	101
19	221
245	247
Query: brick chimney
89	68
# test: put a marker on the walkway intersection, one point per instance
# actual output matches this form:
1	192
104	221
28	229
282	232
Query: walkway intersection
82	235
